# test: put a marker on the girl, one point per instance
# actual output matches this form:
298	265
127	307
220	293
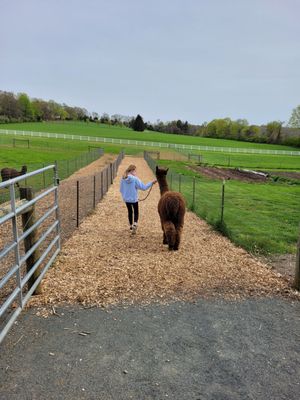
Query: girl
130	184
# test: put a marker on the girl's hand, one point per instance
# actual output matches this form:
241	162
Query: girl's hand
154	182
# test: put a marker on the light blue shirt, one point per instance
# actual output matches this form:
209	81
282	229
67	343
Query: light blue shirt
129	188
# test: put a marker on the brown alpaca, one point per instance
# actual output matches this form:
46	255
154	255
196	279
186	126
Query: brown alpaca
171	209
10	173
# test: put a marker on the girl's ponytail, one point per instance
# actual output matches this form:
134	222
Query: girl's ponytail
128	170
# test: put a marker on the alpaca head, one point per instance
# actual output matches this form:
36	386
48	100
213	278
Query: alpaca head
161	172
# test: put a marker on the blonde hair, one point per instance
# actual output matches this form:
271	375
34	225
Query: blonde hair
128	170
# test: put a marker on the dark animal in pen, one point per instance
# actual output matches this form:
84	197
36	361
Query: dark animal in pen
10	173
171	209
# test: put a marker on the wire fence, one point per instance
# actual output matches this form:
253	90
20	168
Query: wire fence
65	168
79	195
261	218
77	198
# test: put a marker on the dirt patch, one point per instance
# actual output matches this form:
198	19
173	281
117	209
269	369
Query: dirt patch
227	173
288	174
285	264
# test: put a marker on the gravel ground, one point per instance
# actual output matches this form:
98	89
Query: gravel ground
102	263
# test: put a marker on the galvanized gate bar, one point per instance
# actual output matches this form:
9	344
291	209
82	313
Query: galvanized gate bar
38	263
13	211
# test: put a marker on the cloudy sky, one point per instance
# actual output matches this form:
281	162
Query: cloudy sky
166	59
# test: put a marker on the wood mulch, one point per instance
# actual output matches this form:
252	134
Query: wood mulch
102	263
67	204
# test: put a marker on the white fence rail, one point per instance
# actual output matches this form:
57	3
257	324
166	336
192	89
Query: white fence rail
148	143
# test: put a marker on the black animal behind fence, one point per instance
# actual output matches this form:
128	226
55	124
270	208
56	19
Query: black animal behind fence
10	173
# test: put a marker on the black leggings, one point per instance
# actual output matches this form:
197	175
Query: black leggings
135	208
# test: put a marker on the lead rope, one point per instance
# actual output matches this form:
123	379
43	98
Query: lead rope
147	194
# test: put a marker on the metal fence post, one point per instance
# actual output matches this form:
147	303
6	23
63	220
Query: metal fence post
194	184
297	269
222	201
111	174
94	203
44	177
77	204
107	179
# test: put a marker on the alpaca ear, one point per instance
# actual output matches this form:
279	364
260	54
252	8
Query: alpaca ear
167	169
156	168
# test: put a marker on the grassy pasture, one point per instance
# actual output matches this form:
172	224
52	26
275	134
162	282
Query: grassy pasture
262	218
254	161
102	130
44	150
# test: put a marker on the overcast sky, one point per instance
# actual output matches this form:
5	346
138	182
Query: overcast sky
166	59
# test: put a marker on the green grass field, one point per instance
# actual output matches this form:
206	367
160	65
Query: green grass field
258	161
102	130
254	161
44	150
262	218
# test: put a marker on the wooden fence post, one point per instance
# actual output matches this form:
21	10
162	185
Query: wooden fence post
297	269
29	219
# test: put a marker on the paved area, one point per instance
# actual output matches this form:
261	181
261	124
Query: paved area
209	349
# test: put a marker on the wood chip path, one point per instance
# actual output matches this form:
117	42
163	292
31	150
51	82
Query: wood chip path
102	263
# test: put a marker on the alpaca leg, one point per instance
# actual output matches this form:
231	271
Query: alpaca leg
178	237
165	239
164	235
170	232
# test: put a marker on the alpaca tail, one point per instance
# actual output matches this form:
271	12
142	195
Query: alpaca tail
170	232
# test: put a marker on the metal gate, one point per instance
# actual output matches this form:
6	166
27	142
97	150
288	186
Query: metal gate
13	252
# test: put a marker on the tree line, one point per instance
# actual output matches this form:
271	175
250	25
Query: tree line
20	108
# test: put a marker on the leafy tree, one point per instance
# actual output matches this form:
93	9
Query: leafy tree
273	131
25	106
105	118
138	124
10	107
294	121
179	125
185	127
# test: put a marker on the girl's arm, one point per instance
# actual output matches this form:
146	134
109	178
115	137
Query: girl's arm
140	185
